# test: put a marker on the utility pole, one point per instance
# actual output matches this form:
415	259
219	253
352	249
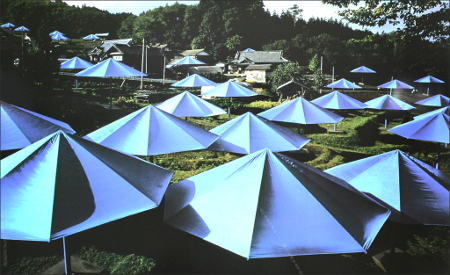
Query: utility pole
142	62
321	72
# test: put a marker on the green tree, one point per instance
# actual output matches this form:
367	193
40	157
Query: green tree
126	28
284	73
421	18
234	43
296	12
318	77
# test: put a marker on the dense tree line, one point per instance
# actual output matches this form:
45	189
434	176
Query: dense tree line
224	27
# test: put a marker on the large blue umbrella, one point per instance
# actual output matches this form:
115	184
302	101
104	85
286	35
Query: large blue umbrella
150	131
110	68
21	127
338	101
63	184
414	191
189	105
76	63
386	103
267	205
188	61
194	81
445	110
343	84
363	70
429	79
395	84
435	101
8	25
248	133
230	89
59	37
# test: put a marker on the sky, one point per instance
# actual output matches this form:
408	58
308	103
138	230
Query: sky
310	9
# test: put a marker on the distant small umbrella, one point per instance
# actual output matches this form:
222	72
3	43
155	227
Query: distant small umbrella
8	26
59	37
363	70
55	32
428	79
188	61
22	29
343	84
91	37
249	50
338	101
75	63
435	101
387	103
395	84
194	81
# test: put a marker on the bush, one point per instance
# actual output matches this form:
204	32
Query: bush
434	244
127	103
262	104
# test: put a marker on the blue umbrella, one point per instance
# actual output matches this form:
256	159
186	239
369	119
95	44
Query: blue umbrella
300	111
91	37
194	80
76	63
338	101
21	127
63	184
188	61
248	133
363	70
55	32
387	102
22	29
395	84
445	110
230	89
435	101
150	131
343	84
110	68
267	205
59	37
249	50
8	25
429	79
410	188
189	105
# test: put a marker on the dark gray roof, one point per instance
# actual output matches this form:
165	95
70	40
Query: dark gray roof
263	57
259	67
205	69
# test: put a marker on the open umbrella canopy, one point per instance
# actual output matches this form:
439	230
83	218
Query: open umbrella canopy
59	37
387	102
343	84
55	32
110	68
8	25
249	50
150	131
194	80
248	133
21	127
363	69
410	188
76	63
230	89
301	111
188	60
395	84
435	101
63	184
189	105
267	205
91	37
435	128
338	101
445	110
22	29
429	79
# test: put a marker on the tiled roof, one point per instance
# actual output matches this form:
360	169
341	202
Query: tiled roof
264	57
259	67
192	52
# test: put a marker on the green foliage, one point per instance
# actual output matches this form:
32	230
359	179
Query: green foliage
434	244
262	104
31	265
284	73
128	103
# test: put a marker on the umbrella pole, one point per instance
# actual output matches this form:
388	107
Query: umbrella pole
385	120
335	127
110	93
76	83
67	265
229	109
437	155
392	250
298	129
428	90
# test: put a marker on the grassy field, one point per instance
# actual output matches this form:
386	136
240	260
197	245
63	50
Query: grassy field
144	240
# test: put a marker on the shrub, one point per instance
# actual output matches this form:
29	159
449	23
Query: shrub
262	104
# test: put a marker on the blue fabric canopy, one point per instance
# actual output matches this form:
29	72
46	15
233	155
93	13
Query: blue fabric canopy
445	110
410	188
8	25
188	60
249	50
189	105
435	101
343	84
387	102
248	133
338	101
21	127
110	68
59	37
76	63
300	111
91	37
429	79
150	131
194	80
230	89
22	29
434	128
55	32
395	84
63	184
267	205
363	69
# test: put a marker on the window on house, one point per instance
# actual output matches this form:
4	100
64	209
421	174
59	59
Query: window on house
117	57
